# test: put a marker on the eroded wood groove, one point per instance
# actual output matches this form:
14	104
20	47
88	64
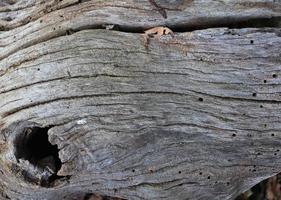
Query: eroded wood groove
194	115
62	20
139	104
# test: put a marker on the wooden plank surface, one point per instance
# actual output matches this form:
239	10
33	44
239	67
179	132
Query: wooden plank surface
30	22
193	115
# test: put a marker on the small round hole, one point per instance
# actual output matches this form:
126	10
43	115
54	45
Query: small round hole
252	41
133	170
254	94
200	173
233	135
209	177
265	81
274	75
261	106
272	134
179	172
200	99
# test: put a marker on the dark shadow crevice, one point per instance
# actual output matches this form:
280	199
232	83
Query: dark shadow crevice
33	146
228	22
197	24
267	189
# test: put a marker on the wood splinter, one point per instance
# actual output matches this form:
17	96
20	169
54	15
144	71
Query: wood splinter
156	32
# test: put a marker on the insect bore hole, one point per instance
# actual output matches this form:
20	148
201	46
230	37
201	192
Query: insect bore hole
200	99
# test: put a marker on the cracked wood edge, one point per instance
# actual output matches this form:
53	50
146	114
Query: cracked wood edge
30	22
16	14
195	116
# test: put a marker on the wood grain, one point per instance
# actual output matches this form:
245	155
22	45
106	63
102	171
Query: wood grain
195	115
189	117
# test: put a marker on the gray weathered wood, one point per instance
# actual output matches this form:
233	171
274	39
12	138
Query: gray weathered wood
190	116
38	21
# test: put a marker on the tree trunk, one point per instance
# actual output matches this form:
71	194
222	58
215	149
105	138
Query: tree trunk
91	105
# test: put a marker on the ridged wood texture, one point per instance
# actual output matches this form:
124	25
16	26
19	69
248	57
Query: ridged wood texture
195	115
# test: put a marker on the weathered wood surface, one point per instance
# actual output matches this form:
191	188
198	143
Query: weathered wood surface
193	116
40	20
134	13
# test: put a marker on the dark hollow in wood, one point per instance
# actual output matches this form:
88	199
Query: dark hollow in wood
194	115
33	145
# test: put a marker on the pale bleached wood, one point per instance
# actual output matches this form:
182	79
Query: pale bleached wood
128	119
190	116
30	22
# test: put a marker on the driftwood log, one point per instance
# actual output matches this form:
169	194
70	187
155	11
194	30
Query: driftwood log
89	105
